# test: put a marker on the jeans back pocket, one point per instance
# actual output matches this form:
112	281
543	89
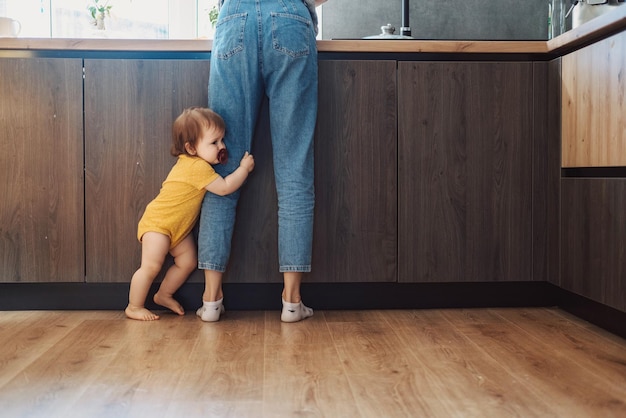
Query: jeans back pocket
291	34
229	35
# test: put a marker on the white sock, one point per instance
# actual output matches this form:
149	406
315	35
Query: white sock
294	312
211	311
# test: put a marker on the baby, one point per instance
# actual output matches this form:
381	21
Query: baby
167	222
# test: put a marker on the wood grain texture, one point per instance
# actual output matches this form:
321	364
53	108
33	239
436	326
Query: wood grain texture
546	173
593	105
355	237
130	106
593	239
465	171
533	362
41	166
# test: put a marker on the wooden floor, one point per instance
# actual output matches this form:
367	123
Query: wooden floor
536	362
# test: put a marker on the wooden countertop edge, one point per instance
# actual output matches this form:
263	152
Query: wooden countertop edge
433	46
601	26
604	25
204	45
90	44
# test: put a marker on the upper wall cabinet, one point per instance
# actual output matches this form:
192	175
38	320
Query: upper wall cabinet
41	167
130	106
465	171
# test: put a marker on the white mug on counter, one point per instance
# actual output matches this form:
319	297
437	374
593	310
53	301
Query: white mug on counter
9	28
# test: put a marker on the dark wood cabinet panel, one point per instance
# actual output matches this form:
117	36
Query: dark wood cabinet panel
41	167
593	239
356	173
465	171
130	106
546	169
355	232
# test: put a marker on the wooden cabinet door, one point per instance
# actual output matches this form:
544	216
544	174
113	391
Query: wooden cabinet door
465	171
593	239
356	227
130	106
41	167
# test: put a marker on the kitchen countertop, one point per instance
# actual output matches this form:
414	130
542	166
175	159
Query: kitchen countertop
595	29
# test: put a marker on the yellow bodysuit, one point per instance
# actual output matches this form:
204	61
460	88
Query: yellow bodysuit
175	210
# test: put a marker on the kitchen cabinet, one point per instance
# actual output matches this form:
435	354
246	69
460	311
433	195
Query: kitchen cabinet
431	182
465	169
593	186
593	243
356	230
41	154
458	171
130	106
593	106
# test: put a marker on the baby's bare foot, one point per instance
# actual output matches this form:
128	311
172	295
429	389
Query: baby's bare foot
140	314
169	302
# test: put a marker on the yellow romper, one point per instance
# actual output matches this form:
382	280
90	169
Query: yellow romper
175	210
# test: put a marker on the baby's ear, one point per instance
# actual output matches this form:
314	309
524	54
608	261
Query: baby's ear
191	150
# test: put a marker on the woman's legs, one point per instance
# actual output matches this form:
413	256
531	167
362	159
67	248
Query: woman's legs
284	67
291	289
293	308
235	93
290	62
213	286
212	298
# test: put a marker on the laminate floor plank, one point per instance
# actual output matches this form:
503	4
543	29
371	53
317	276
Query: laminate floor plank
60	375
598	356
472	383
603	336
306	380
25	335
553	378
143	373
226	360
513	362
303	375
383	375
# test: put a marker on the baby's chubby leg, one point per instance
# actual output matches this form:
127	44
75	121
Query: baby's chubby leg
185	262
154	247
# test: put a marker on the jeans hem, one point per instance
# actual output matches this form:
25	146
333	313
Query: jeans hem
211	266
295	269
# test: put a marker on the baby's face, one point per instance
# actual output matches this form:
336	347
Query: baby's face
210	146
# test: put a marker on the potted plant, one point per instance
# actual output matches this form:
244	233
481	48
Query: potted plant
213	14
99	10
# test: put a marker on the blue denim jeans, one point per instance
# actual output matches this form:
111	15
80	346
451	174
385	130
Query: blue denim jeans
265	47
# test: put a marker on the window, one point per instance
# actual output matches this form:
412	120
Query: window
131	19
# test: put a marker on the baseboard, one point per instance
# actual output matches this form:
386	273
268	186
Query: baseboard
603	316
266	296
324	296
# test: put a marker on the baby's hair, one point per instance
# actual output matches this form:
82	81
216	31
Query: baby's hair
190	125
